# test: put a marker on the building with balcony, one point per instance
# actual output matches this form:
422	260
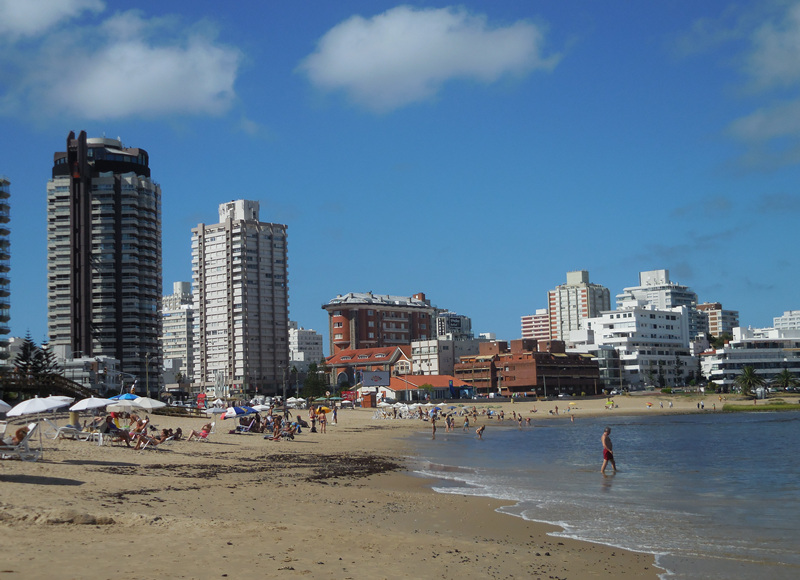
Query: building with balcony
536	326
529	368
656	289
713	320
104	255
769	351
789	320
652	346
367	320
177	323
571	303
241	303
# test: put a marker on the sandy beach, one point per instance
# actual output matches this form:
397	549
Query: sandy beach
334	505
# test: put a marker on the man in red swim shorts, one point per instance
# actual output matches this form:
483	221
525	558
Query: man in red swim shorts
608	453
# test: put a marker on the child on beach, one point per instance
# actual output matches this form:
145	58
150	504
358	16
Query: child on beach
479	431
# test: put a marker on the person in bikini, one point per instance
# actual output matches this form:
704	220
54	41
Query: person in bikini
202	434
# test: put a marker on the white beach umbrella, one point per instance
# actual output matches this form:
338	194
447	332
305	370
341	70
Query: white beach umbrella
261	408
122	405
90	403
36	405
148	404
215	411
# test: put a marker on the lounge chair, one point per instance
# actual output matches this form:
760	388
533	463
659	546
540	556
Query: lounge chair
245	428
22	450
53	431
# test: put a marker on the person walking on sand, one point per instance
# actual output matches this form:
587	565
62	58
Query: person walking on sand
608	452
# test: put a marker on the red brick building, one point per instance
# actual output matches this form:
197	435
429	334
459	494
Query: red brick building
372	320
529	367
345	365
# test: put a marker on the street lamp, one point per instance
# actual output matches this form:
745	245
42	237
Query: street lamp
147	359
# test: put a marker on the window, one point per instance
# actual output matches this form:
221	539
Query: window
337	337
337	324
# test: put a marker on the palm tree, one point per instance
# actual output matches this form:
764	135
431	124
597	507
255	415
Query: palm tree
785	379
749	380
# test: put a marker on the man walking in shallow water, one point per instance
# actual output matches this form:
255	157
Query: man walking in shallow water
608	452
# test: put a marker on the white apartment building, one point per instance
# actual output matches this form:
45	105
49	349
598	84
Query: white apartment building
652	344
768	350
439	356
177	323
241	302
571	303
305	347
656	289
536	326
788	321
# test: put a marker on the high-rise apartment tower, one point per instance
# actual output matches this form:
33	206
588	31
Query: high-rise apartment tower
241	302
571	303
104	255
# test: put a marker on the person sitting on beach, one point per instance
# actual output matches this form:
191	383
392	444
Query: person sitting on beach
178	434
144	439
202	434
110	429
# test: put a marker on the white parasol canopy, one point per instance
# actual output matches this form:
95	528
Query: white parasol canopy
37	405
90	403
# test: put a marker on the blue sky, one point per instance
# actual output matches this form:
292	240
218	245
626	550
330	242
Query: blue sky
475	151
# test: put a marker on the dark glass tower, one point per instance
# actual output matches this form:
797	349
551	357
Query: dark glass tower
104	255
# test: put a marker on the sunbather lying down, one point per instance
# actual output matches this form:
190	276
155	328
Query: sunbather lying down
17	438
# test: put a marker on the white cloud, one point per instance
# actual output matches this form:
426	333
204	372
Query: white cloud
26	18
405	55
128	66
772	131
775	58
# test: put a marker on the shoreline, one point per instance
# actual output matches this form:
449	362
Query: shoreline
341	504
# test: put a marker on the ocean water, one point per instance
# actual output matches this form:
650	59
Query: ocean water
712	495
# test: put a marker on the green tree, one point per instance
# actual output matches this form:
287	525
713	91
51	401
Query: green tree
46	366
25	364
315	383
785	379
678	370
749	380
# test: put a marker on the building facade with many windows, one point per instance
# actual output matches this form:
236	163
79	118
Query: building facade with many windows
241	302
571	303
177	322
536	326
367	320
104	256
715	320
305	347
